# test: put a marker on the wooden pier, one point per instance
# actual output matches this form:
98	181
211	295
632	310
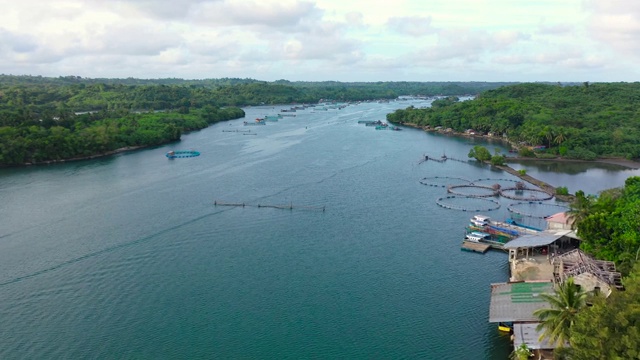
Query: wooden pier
475	247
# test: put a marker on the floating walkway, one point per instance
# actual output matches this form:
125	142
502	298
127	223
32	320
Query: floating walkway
440	159
475	247
181	154
289	206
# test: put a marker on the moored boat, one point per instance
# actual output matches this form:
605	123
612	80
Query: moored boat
505	326
176	154
480	220
477	236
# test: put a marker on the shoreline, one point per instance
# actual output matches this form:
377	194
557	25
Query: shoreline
108	153
630	164
88	157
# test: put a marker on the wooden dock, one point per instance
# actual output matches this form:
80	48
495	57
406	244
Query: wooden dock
475	247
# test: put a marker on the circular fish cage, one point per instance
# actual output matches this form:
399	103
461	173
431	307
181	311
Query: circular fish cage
466	203
178	154
444	181
536	209
525	194
473	190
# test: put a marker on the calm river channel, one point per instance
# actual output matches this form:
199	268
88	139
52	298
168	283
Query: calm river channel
128	257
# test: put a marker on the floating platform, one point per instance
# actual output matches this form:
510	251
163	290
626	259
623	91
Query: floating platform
475	247
272	117
254	123
181	154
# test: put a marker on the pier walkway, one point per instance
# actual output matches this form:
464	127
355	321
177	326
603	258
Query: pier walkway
475	247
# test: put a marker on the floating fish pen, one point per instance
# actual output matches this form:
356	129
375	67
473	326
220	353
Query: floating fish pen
536	209
501	182
369	121
473	190
443	181
241	131
178	154
464	203
526	194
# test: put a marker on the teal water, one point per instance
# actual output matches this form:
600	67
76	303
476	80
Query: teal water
127	256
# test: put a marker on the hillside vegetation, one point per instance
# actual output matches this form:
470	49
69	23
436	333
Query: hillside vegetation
579	121
50	119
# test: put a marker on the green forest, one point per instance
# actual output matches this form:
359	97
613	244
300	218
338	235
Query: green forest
582	121
586	325
46	119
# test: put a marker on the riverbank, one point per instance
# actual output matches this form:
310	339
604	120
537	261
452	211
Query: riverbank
89	157
630	164
548	188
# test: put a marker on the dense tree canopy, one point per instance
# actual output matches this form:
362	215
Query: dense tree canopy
610	329
572	121
46	119
609	225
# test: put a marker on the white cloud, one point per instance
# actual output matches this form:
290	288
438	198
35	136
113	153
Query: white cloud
616	24
411	25
316	39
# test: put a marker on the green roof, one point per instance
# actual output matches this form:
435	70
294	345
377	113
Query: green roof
516	302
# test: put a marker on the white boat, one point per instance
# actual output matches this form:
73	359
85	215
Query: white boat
477	236
480	220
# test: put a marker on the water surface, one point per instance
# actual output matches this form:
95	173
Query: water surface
127	256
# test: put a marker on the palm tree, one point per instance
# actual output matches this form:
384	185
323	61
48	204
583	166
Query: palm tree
579	209
560	136
522	352
566	301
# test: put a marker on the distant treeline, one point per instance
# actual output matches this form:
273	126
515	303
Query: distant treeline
579	121
47	119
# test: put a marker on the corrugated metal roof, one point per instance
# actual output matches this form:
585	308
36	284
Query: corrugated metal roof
533	240
560	217
527	334
516	302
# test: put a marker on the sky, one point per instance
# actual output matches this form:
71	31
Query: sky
318	40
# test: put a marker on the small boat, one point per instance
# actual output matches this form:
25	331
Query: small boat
505	326
480	220
261	122
181	154
374	123
477	236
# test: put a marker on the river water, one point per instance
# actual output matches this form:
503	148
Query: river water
127	256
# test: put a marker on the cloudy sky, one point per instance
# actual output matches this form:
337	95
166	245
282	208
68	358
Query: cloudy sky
343	40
